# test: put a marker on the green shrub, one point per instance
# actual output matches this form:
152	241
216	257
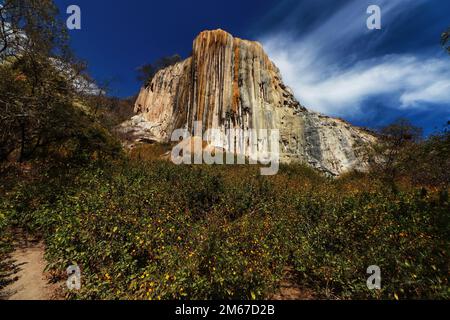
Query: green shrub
154	230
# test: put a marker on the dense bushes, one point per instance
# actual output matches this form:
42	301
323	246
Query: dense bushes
402	154
160	231
5	241
405	235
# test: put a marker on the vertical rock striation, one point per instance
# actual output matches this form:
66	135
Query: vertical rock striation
231	83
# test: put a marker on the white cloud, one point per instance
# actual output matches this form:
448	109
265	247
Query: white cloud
310	65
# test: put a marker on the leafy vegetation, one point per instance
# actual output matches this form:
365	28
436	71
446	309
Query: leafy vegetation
153	230
44	93
402	153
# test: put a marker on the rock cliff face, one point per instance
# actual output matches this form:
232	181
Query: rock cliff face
231	83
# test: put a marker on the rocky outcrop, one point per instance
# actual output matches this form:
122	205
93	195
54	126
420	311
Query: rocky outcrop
231	83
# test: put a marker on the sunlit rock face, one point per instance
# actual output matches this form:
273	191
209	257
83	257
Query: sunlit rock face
231	83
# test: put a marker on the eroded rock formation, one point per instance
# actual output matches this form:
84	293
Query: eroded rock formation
231	83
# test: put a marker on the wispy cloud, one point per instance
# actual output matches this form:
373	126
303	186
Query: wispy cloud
332	69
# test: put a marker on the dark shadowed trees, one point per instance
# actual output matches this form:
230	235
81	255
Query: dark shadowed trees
402	154
41	105
432	160
394	150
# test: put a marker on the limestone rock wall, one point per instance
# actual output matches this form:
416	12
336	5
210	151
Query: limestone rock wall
161	106
231	83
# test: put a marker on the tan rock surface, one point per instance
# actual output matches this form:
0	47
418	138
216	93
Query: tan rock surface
231	83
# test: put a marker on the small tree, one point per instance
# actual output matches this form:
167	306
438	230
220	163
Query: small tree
395	150
433	160
40	83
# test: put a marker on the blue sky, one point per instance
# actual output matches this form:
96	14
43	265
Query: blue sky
323	48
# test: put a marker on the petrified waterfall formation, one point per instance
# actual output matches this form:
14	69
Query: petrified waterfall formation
231	83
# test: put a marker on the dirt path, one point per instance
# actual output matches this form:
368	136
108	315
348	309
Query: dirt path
289	290
30	281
